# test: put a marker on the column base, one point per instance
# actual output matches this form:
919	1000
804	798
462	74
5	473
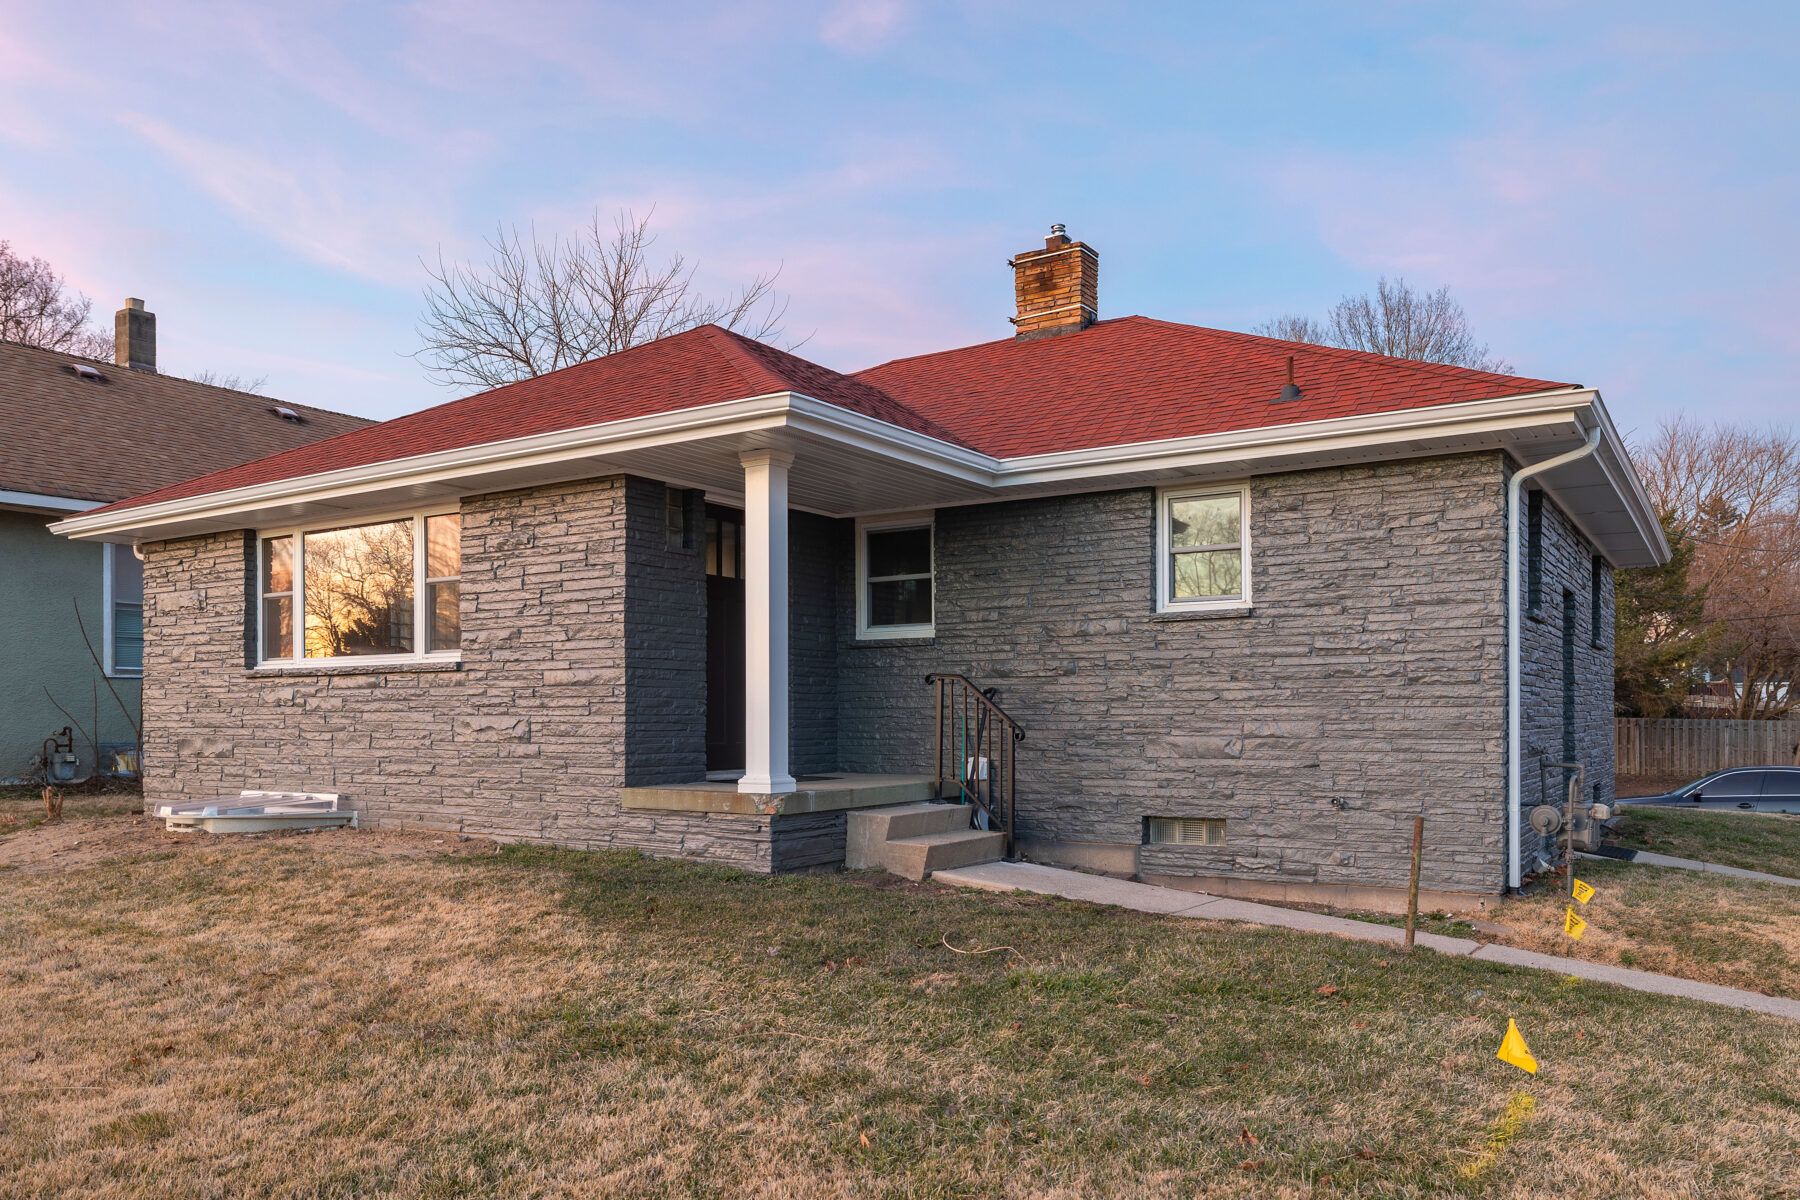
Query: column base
767	785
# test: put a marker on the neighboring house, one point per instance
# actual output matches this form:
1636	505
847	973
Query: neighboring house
1247	599
79	434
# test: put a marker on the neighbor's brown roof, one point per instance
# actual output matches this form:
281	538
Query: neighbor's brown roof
129	431
1130	379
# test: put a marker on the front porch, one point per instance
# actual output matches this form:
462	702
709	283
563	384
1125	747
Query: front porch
811	794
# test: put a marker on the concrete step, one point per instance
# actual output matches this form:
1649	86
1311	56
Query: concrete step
917	857
868	830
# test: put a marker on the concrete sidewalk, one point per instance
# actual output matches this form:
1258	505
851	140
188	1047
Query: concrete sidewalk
1646	859
1143	897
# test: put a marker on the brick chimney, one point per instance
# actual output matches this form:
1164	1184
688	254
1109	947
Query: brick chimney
134	336
1057	288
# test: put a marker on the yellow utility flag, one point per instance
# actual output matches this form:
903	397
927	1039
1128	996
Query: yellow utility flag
1583	893
1573	925
1513	1049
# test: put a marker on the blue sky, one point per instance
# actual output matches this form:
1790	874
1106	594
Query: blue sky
1610	189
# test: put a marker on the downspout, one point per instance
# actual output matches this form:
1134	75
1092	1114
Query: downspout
1514	666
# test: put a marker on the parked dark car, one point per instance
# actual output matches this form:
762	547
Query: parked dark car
1752	789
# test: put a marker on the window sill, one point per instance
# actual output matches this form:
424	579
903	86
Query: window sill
1203	614
423	666
879	643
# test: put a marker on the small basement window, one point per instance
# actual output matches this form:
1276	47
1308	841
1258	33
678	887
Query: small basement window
1185	831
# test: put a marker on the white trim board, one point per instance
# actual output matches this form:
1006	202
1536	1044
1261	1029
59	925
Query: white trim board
1504	420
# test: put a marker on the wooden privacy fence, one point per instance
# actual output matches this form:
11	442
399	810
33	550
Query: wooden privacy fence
1695	748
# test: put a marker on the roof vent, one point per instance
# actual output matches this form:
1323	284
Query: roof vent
287	414
87	371
1289	390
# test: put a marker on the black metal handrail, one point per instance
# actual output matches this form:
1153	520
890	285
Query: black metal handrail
980	739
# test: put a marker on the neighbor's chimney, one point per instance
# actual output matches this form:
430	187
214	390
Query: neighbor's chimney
1057	288
134	336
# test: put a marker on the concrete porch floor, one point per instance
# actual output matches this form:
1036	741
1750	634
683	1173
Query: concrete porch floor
816	793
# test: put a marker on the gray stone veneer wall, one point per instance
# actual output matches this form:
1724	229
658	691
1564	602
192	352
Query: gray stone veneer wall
583	649
1567	566
816	549
1367	685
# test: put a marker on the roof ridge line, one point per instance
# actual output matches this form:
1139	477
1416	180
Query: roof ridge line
978	345
1414	364
181	380
749	368
740	348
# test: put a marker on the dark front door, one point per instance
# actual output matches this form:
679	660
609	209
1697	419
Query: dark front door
724	639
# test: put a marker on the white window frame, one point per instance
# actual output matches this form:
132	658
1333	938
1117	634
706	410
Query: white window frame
1165	497
864	527
113	671
421	613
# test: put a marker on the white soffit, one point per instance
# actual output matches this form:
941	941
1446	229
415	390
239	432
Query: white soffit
847	464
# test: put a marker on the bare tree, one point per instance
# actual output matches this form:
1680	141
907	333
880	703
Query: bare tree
1293	328
1397	321
1734	494
236	383
535	306
37	309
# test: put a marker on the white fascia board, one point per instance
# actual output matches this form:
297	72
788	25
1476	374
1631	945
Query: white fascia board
892	441
802	413
1615	460
1334	434
637	433
42	502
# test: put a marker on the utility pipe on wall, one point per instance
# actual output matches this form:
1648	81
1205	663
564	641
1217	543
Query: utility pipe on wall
1514	660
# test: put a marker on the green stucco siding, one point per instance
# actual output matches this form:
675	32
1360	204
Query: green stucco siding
42	578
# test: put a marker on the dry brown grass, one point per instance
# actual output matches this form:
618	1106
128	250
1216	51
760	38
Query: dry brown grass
1706	927
349	1014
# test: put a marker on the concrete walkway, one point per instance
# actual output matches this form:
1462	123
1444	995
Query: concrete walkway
1143	897
1647	859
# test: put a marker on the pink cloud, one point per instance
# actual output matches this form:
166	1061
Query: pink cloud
861	26
372	222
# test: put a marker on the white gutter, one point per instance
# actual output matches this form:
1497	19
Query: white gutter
1514	665
807	414
40	501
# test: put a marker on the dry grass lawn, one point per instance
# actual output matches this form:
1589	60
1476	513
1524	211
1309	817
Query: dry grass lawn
1706	927
353	1015
1754	841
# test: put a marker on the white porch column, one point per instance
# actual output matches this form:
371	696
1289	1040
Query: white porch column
766	623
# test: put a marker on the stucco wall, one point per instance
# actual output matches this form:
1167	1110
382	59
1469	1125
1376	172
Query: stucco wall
1367	685
41	647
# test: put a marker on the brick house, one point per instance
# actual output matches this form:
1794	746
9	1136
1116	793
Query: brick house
1247	601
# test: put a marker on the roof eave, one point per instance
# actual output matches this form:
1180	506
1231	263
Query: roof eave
1499	422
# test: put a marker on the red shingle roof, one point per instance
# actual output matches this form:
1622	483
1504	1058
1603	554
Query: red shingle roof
702	366
1134	379
1126	380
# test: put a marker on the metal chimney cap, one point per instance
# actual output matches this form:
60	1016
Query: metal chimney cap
133	302
1059	230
